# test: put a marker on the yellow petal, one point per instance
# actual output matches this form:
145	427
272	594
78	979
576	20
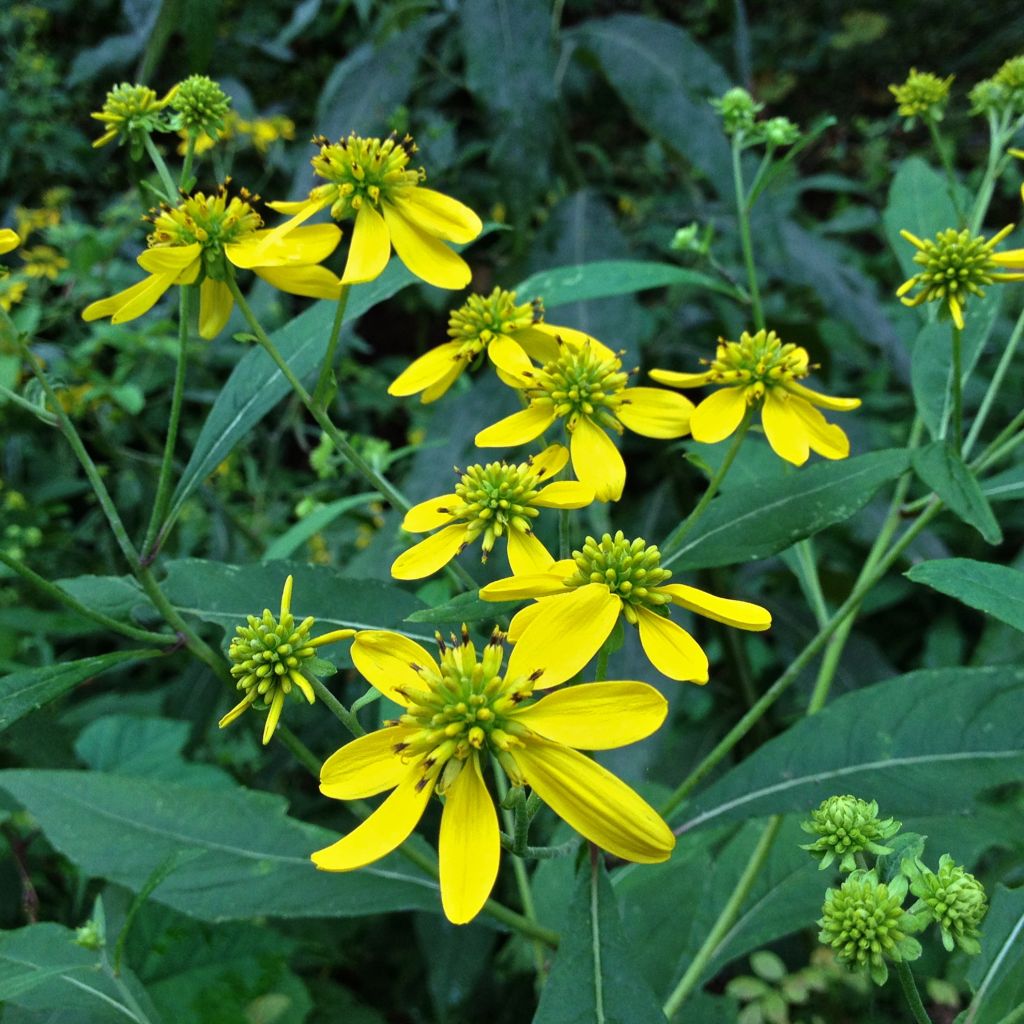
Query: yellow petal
165	258
292	206
825	401
577	339
469	847
594	802
825	438
215	305
560	642
366	766
508	356
596	716
301	211
655	412
1011	257
515	588
431	514
526	554
429	259
675	379
440	387
718	415
8	240
596	460
785	431
312	282
139	299
673	652
389	826
370	248
388	662
430	554
741	614
550	461
564	494
310	244
439	215
427	369
537	344
519	428
522	619
956	311
237	710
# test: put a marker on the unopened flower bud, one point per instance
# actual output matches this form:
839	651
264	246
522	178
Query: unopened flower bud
954	899
846	826
201	105
737	109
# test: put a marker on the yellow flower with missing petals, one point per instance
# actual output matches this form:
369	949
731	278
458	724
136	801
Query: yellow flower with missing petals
131	111
462	714
586	388
272	659
490	503
199	238
9	240
370	180
580	599
760	371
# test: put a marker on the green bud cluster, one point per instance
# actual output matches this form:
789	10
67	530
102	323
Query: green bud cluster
131	112
90	935
629	568
201	105
1003	93
581	382
482	318
739	111
922	95
496	498
846	826
954	899
268	655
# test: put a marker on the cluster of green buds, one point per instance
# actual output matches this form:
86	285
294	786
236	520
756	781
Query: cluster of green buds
629	568
201	106
739	110
692	239
953	898
845	827
1003	93
922	95
131	113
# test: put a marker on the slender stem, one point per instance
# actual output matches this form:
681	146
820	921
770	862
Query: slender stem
302	753
190	152
958	389
151	544
336	708
675	538
23	403
601	669
994	449
995	384
909	987
812	582
947	166
595	936
170	189
996	133
131	1004
321	393
564	533
725	919
743	217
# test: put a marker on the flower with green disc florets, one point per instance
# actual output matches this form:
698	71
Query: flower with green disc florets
865	923
922	95
846	826
738	110
953	898
201	106
131	112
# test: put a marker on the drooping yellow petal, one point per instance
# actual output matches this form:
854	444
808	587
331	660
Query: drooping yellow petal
273	715
132	302
597	716
427	369
516	588
292	206
430	554
526	554
300	211
674	379
596	460
718	415
439	215
655	412
523	618
825	401
570	336
825	438
538	345
594	802
310	281
785	431
519	428
741	614
559	643
370	248
508	356
469	846
166	258
310	244
215	305
388	661
388	827
565	494
366	766
8	240
434	391
429	259
551	461
431	514
673	652
956	311
241	706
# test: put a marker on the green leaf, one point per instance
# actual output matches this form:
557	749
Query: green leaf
593	980
602	278
253	862
771	515
22	692
944	471
317	520
997	973
1005	486
116	596
919	744
996	590
919	203
464	608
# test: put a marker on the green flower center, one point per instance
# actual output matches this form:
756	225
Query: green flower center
483	317
861	921
201	104
921	92
629	568
362	170
267	652
130	107
955	898
848	824
956	263
496	498
758	362
581	382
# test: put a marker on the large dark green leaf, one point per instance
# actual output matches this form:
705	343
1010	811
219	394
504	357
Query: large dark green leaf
771	515
241	855
319	519
943	470
919	203
996	973
996	590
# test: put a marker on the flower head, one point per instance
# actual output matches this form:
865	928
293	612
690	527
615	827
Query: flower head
922	95
738	110
865	923
459	713
580	599
201	105
759	371
954	899
779	131
846	826
131	112
495	502
585	387
196	241
272	658
370	180
43	261
956	265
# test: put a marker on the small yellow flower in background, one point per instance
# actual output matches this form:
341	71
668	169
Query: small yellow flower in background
956	265
43	261
272	657
198	238
759	370
9	240
12	291
459	715
490	503
30	221
130	110
922	95
580	599
370	180
586	388
265	131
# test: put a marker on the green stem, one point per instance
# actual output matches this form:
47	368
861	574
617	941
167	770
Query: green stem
595	936
996	133
601	669
151	544
743	217
170	189
336	708
947	166
190	152
564	533
130	1002
913	997
1015	1016
726	919
958	389
995	384
812	582
23	403
675	538
302	753
321	393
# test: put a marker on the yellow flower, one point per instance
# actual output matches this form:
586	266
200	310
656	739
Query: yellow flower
956	265
580	599
35	220
272	659
12	291
43	261
491	502
510	334
760	371
130	110
197	239
369	179
8	240
585	388
459	715
265	131
922	95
